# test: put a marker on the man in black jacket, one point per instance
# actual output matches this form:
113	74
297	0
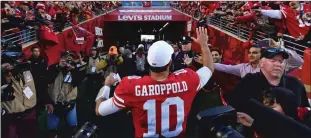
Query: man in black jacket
272	66
38	68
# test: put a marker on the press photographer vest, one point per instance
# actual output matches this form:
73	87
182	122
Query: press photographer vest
21	102
60	91
92	63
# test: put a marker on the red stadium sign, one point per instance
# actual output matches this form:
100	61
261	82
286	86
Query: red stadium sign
145	14
145	17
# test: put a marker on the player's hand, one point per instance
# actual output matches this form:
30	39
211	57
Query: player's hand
110	79
202	37
187	60
244	119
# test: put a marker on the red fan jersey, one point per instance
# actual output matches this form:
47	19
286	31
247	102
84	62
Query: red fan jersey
159	108
295	24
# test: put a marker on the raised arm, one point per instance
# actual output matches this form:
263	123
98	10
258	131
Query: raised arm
103	106
294	60
277	14
231	69
207	70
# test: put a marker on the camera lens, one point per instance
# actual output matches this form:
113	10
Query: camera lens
87	130
227	132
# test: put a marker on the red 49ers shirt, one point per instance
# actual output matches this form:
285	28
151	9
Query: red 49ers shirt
159	108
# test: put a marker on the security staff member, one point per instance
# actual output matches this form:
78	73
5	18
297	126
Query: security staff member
184	60
18	99
38	67
210	92
63	80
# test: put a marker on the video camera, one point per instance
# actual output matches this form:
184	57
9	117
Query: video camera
11	53
218	122
7	93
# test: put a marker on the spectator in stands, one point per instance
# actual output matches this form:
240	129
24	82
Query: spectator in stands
111	62
272	68
63	79
271	27
294	61
216	54
292	15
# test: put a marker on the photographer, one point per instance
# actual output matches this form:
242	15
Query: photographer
111	62
63	80
18	99
140	60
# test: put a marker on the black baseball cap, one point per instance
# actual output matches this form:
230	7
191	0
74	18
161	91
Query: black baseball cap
185	40
67	53
271	52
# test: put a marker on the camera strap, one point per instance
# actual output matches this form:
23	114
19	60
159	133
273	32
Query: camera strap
68	78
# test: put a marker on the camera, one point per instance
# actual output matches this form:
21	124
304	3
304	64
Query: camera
71	62
218	122
11	54
88	130
7	93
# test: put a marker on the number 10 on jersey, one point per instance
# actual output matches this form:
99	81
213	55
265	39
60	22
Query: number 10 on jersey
150	106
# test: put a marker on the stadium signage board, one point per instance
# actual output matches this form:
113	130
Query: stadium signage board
145	17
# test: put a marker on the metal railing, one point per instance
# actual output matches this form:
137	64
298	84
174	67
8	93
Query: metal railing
243	33
29	35
21	37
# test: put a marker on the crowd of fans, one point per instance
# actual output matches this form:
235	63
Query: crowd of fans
20	16
292	18
65	91
190	7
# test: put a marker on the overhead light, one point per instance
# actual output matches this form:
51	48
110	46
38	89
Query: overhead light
161	29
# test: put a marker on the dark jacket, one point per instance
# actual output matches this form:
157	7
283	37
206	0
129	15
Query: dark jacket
77	75
38	68
127	68
177	61
252	86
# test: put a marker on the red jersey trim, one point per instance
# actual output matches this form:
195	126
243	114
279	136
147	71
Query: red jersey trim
119	105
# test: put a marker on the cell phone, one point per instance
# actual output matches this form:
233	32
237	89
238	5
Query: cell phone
264	43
